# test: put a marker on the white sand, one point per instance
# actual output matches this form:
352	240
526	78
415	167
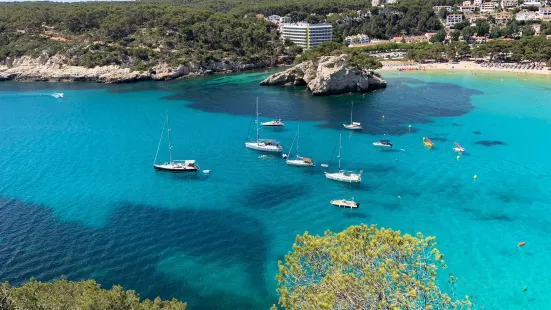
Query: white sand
464	66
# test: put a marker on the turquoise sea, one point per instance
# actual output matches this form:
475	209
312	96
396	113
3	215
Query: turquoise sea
79	196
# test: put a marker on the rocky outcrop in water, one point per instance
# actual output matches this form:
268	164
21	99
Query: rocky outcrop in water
327	75
57	69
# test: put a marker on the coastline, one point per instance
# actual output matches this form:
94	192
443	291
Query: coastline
463	66
55	69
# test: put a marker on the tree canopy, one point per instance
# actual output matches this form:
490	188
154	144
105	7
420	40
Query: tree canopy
364	268
86	295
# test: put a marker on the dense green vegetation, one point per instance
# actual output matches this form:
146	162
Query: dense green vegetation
364	268
93	34
86	295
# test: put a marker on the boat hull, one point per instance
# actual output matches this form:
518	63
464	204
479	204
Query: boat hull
263	148
174	170
298	163
375	144
352	127
459	150
271	125
340	177
345	204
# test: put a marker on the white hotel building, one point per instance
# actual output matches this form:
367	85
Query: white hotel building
307	35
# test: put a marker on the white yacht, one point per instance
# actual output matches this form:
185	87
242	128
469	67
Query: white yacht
172	165
263	145
353	125
57	95
458	148
298	160
343	203
382	144
341	175
274	123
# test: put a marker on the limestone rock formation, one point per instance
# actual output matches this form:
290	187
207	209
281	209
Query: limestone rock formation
327	75
57	69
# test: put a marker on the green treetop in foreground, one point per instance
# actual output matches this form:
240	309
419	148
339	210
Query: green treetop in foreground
364	268
86	295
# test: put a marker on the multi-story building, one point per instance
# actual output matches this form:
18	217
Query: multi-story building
467	3
375	2
545	13
527	16
509	3
477	2
307	35
453	19
438	8
488	7
357	39
502	18
528	3
285	19
274	18
468	8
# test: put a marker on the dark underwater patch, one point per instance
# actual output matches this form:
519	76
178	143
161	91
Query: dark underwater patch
126	250
477	132
400	107
484	216
267	196
490	143
439	139
456	125
355	215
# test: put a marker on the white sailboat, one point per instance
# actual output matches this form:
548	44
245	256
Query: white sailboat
262	144
341	175
353	125
299	161
173	165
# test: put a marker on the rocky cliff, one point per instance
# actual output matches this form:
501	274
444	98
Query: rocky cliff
327	75
56	69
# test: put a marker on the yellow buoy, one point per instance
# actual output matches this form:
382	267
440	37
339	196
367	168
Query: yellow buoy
475	177
458	157
383	116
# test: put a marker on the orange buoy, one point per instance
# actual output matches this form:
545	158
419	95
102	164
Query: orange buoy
522	243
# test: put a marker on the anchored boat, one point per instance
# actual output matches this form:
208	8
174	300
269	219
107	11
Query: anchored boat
427	142
342	203
274	123
188	165
383	144
458	148
353	125
299	161
341	175
263	144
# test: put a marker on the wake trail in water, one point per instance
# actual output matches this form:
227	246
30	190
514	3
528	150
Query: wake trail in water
55	95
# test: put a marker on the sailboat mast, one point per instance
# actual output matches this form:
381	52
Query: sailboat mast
169	146
257	136
340	146
298	136
351	110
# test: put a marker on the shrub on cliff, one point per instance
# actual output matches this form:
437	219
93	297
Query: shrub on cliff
86	295
364	268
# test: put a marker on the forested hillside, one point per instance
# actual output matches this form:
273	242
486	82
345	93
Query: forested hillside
135	35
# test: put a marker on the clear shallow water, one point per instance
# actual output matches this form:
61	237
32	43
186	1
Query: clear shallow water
81	199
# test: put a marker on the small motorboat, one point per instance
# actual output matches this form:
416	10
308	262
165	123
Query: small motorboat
206	171
325	165
274	123
57	95
427	142
353	126
383	144
458	148
342	203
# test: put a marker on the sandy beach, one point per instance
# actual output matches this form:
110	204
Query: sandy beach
463	66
